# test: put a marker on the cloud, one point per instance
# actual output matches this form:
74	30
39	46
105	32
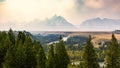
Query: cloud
96	4
2	0
26	10
98	8
75	11
112	5
93	4
29	10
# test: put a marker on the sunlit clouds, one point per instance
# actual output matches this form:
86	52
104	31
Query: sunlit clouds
27	10
20	12
96	4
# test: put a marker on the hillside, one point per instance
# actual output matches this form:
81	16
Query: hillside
73	38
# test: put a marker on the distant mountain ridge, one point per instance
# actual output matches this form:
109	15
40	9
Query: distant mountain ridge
56	23
59	23
98	24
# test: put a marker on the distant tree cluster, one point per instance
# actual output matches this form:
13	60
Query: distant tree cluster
47	39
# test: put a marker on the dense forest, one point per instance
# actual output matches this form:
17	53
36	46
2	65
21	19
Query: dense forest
20	51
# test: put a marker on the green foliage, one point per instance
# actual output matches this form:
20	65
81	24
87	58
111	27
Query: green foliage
73	66
89	56
21	37
11	37
101	55
51	58
41	58
8	60
20	51
47	39
30	56
3	46
61	56
76	40
112	59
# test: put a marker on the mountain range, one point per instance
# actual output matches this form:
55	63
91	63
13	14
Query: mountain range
56	23
98	24
59	23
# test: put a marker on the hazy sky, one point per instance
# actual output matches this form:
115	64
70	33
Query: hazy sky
16	12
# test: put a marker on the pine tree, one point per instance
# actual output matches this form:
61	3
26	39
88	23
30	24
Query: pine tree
4	44
9	61
41	58
12	57
40	55
20	52
61	57
36	46
20	56
30	61
89	56
11	36
21	37
51	58
112	59
4	48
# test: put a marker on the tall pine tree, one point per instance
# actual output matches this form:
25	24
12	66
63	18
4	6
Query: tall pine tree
51	58
89	56
4	44
61	57
8	60
41	58
11	36
30	61
112	59
40	55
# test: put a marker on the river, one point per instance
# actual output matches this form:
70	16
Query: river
64	39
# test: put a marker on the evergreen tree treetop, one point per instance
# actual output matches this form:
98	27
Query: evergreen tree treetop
61	57
112	59
89	56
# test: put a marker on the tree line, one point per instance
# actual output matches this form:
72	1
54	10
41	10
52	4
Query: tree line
20	51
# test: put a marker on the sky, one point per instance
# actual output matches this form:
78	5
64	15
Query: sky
15	13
